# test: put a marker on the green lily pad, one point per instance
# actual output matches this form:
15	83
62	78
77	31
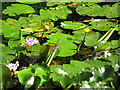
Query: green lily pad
17	9
5	77
66	46
7	54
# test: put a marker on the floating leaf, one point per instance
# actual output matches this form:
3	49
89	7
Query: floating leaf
117	51
76	67
54	3
5	77
66	46
79	35
112	12
32	21
107	45
34	52
93	10
101	73
53	14
82	76
64	81
16	44
103	25
97	10
17	9
72	26
7	54
113	58
91	38
26	77
10	28
29	1
43	73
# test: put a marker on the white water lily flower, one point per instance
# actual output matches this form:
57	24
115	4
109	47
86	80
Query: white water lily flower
60	71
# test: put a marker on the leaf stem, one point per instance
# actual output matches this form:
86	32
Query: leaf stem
80	44
104	36
50	60
107	35
52	54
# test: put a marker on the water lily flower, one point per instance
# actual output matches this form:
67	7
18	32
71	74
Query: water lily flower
12	66
60	71
31	41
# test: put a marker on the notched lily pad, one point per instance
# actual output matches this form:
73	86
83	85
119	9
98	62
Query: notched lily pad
17	9
66	46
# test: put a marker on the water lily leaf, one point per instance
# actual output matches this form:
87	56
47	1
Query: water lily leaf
66	46
97	10
65	80
44	51
113	58
107	45
54	3
93	10
53	14
82	76
7	54
103	25
43	74
26	77
10	28
29	1
101	73
32	21
117	51
91	38
76	67
17	9
79	35
15	44
72	26
5	77
34	52
112	12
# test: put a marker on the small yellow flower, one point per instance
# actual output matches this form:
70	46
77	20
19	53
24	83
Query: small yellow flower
87	29
47	27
